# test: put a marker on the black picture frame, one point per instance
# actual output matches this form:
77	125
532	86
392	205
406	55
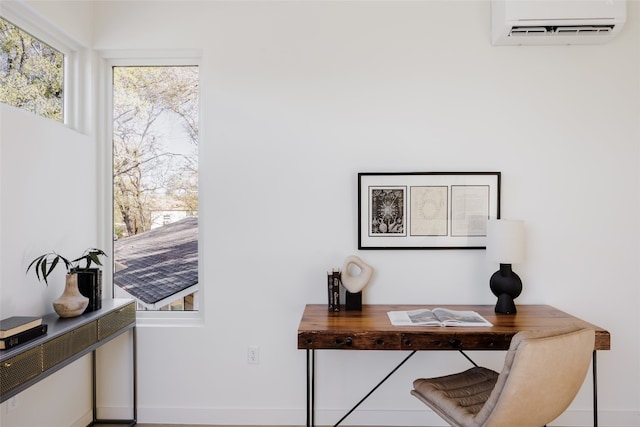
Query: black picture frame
426	210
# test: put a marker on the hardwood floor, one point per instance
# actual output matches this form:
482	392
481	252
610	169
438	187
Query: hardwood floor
210	425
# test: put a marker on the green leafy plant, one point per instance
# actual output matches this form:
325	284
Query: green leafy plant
45	264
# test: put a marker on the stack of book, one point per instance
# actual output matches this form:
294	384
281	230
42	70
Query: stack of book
333	281
17	330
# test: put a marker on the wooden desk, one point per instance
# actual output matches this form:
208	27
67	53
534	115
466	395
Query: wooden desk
370	329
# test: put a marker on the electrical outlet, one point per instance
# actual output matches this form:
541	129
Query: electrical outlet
12	404
253	355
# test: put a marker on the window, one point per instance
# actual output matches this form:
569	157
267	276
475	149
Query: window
31	73
155	185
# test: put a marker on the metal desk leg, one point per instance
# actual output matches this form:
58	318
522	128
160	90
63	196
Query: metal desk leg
311	382
595	391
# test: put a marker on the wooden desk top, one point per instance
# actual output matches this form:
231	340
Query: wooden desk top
370	329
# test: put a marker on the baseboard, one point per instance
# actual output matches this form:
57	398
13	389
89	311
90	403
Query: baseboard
115	413
576	418
84	420
368	417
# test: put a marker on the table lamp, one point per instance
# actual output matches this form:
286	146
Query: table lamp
505	245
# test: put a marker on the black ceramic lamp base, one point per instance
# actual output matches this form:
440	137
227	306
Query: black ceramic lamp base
507	286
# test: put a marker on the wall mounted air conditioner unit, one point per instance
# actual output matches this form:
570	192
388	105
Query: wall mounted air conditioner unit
546	22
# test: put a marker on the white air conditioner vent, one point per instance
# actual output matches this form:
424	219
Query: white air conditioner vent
566	30
546	22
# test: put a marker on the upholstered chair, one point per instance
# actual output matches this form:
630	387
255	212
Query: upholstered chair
542	373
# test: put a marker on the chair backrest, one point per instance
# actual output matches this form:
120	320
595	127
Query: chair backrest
542	373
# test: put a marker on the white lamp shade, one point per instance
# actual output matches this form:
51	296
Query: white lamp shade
505	241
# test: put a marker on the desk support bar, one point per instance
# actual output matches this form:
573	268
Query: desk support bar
468	358
376	387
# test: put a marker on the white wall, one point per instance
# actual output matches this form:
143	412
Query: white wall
298	97
48	202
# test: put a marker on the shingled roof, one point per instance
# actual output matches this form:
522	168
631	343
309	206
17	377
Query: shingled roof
160	263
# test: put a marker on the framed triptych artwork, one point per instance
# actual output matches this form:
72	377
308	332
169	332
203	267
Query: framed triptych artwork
426	210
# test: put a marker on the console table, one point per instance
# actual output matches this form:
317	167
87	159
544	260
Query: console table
67	340
370	329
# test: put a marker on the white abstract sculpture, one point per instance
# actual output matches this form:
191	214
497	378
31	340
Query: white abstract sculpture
355	284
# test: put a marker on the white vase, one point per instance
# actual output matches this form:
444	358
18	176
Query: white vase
71	303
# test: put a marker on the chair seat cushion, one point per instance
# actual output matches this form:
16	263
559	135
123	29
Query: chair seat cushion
458	397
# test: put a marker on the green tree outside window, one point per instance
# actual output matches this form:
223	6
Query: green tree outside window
31	73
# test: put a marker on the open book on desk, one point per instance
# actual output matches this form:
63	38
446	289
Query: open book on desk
437	317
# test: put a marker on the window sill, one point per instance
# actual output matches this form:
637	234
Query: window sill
169	319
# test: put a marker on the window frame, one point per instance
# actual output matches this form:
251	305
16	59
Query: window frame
104	111
75	62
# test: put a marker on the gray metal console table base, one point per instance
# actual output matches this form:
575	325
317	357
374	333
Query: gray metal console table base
134	420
